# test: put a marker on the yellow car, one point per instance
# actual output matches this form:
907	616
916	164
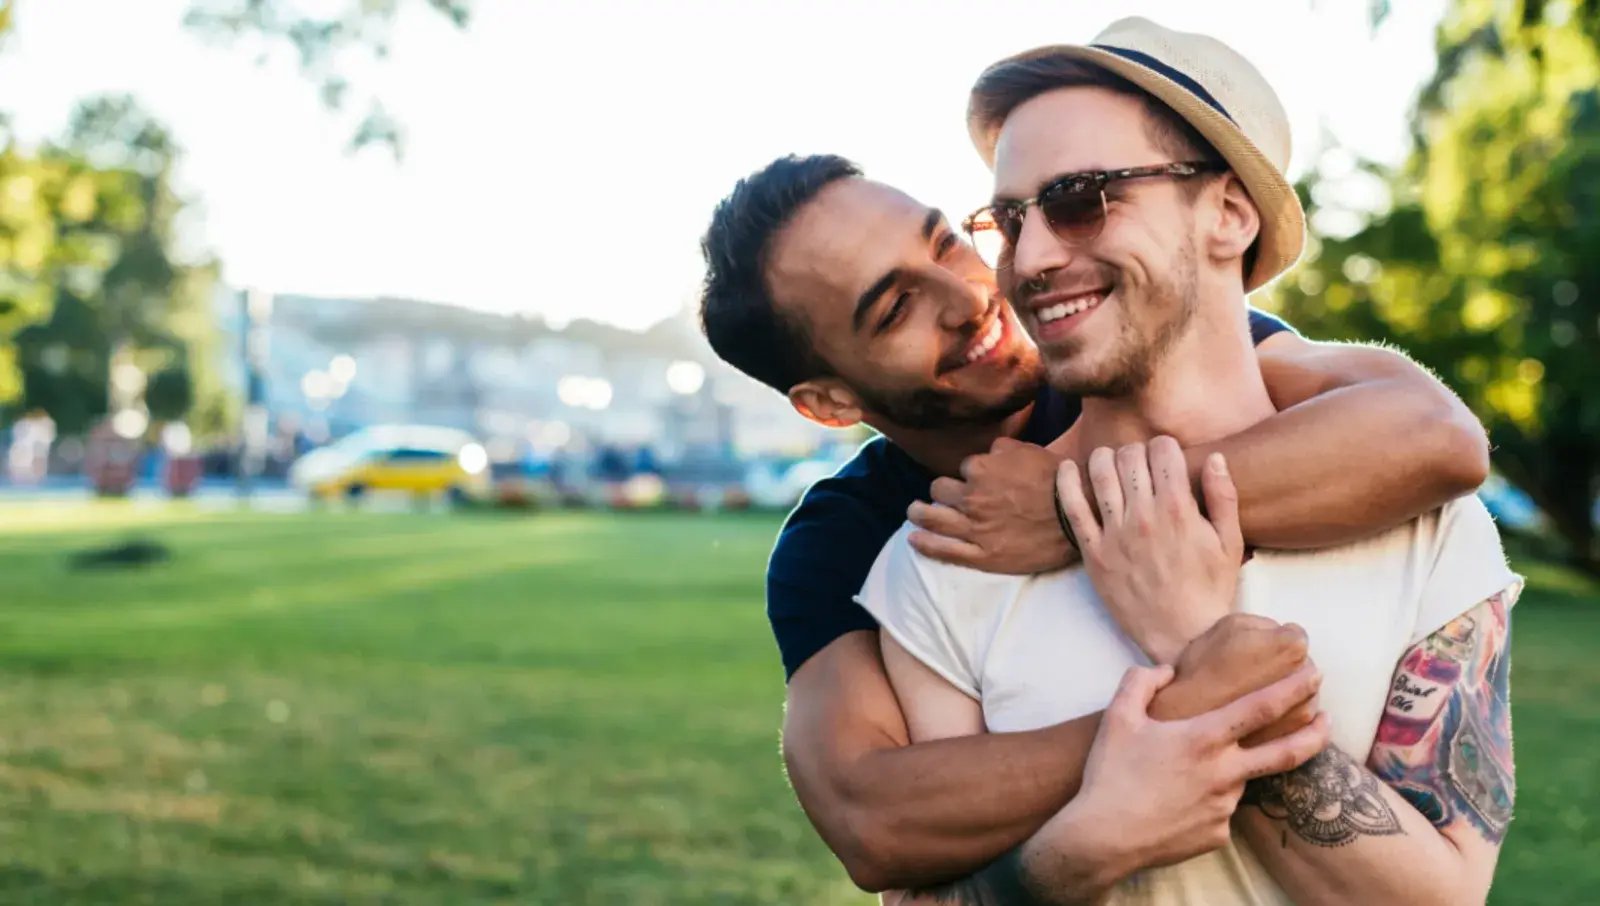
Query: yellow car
413	459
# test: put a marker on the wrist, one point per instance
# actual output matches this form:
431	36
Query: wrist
1079	852
1165	643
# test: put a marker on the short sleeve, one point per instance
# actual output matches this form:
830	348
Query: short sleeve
1465	565
1263	325
902	593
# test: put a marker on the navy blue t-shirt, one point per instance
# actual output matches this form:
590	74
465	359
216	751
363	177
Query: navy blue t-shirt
830	541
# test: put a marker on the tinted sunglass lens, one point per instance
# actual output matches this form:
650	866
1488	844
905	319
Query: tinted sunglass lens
1075	216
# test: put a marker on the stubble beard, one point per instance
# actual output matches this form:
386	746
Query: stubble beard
1137	349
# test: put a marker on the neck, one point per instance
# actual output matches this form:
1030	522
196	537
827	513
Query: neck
1208	386
941	450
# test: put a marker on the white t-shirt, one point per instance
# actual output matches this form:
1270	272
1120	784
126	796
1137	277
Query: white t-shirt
1039	650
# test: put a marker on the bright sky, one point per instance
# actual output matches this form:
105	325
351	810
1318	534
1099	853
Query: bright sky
563	157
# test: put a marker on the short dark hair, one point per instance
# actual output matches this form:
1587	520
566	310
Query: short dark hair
737	312
1008	85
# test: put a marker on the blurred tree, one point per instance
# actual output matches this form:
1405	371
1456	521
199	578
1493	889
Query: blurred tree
326	44
57	217
140	302
1483	264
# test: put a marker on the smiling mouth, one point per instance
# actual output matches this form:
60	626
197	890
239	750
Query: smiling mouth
1068	307
987	341
982	346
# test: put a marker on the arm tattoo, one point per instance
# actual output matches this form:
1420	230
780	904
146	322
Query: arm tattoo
1002	882
1329	801
1445	740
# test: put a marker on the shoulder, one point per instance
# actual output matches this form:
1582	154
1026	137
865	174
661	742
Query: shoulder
902	579
1264	325
843	520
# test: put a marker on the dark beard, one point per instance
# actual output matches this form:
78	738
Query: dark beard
929	409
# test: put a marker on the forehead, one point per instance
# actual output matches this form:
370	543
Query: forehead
842	241
1070	130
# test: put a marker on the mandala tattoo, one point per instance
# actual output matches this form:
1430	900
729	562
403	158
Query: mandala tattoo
1329	801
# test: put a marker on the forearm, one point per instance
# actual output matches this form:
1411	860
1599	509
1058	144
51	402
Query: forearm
1332	832
1063	864
1348	463
927	813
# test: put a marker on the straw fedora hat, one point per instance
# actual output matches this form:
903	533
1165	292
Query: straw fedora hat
1222	95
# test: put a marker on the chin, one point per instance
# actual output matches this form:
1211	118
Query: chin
1081	378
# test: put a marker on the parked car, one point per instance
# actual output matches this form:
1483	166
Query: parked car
414	459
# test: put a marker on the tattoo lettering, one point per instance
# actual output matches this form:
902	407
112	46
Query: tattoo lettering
1329	801
1445	740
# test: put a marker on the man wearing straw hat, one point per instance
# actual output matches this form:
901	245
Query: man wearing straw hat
1126	241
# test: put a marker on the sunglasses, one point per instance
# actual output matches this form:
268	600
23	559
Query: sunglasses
1074	207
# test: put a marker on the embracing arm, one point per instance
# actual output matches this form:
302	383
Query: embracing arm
1364	440
899	815
1154	792
1422	822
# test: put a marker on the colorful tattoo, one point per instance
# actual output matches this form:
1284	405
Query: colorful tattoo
1445	740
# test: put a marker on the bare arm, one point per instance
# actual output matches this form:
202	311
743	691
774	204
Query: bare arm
1154	792
1423	821
1365	440
903	816
900	815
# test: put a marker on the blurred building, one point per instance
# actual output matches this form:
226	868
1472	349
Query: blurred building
333	365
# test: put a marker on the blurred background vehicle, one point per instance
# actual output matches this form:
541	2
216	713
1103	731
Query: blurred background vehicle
419	460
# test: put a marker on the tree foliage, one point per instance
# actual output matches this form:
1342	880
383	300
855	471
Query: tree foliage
326	45
1485	266
113	286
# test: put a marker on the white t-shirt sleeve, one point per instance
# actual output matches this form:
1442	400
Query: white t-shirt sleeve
903	593
1462	564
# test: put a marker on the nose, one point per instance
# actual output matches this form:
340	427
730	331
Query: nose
965	300
1038	250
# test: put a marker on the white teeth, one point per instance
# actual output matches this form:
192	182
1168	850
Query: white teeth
1057	312
986	343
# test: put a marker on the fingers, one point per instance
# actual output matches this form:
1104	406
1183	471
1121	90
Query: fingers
1169	471
949	491
1133	468
1107	486
1298	717
1247	714
949	550
1222	503
940	519
1069	485
1139	685
1286	753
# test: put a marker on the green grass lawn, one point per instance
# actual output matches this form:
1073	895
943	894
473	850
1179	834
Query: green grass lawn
561	709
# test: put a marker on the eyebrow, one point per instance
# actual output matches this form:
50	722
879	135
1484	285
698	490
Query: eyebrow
876	290
930	224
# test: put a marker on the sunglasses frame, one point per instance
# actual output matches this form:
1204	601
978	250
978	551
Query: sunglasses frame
1073	184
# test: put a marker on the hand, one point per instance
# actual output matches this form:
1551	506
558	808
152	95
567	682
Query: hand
999	517
1164	571
1159	792
1239	654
